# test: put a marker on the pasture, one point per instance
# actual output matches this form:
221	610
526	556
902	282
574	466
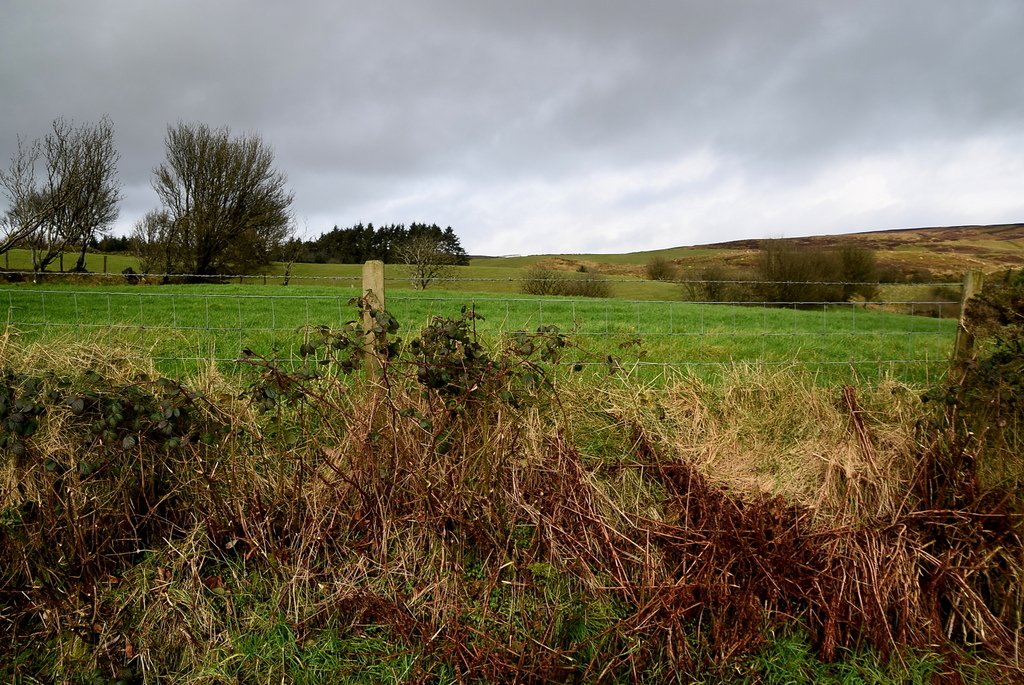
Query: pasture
186	326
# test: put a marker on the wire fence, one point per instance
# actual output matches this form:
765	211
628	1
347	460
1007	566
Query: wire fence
182	327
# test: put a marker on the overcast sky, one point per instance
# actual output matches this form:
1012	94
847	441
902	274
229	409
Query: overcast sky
555	126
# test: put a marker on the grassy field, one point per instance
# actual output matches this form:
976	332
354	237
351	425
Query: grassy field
761	496
624	273
186	323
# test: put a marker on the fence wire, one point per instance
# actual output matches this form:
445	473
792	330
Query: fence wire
159	278
182	327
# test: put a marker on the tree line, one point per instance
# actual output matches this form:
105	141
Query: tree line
360	243
224	208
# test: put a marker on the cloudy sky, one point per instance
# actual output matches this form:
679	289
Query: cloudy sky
534	126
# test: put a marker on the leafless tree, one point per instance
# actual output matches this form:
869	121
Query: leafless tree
426	259
153	242
72	201
291	250
26	212
225	207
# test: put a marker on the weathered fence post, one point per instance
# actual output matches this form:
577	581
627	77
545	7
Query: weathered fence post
373	295
974	281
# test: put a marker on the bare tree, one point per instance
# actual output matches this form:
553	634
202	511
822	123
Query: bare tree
26	212
75	200
792	274
153	242
92	204
795	274
225	208
290	251
426	259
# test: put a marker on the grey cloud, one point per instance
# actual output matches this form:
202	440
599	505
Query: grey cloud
501	111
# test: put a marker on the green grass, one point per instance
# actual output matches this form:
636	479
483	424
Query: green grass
21	260
182	324
504	280
789	659
493	276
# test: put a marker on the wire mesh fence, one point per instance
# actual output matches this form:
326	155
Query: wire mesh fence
182	327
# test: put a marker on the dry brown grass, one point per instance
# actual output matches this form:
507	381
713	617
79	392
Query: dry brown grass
778	433
601	532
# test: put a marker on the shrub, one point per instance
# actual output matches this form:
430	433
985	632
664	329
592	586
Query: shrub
792	274
660	269
710	286
540	281
920	276
795	274
469	518
858	269
100	470
593	286
544	281
944	304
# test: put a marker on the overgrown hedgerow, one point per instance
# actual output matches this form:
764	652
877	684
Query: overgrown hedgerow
478	515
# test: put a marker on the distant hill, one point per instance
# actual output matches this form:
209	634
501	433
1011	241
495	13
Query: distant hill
941	249
935	238
946	251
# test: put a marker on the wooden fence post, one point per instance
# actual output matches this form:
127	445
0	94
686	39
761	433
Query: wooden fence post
974	281
373	294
